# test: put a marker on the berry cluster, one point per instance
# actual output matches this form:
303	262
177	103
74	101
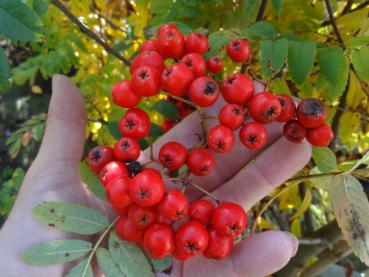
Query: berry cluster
174	64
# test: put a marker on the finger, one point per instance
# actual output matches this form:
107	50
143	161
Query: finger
64	136
259	255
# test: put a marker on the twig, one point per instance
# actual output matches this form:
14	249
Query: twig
89	32
362	5
261	10
99	120
243	68
333	22
204	191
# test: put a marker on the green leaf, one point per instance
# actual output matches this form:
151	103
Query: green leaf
260	30
324	158
40	6
129	257
4	71
18	21
300	59
91	179
56	251
167	109
277	6
363	160
71	217
323	182
250	7
113	129
38	131
273	54
106	264
330	61
336	88
360	60
155	130
81	270
162	264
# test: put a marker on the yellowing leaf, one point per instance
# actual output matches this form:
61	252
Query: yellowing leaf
304	205
355	94
296	228
290	198
348	126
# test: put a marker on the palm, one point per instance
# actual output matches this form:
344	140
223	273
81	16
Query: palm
54	176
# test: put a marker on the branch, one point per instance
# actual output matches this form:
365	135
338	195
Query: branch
333	22
89	32
261	10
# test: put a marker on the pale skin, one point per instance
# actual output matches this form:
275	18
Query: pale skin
54	176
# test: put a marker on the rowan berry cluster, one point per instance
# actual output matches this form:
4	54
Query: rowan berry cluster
162	220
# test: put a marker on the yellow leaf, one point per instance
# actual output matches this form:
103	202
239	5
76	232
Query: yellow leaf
296	228
290	198
265	225
36	89
304	205
355	94
348	128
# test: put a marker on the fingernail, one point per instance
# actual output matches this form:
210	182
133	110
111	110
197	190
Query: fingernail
294	243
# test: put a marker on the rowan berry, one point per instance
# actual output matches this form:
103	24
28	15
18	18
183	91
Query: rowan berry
149	45
99	156
196	63
159	240
200	161
288	108
229	219
127	149
215	64
117	193
231	116
176	79
264	107
172	155
147	58
253	135
237	89
146	81
219	246
192	238
320	136
294	131
197	43
171	43
311	113
142	217
123	95
112	170
126	230
201	210
238	50
221	139
174	205
135	124
204	91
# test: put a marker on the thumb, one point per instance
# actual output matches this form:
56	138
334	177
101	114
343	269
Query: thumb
64	136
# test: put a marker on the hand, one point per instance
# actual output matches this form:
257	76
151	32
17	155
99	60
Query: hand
54	176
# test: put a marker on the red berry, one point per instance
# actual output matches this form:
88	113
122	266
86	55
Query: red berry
219	246
99	156
113	170
288	108
197	43
311	113
147	187
180	255
159	240
176	79
127	149
238	50
120	210
204	91
146	81
123	95
320	136
232	116
172	155
166	27
200	161
142	217
215	64
264	107
147	58
221	139
126	230
135	124
229	219
192	238
237	89
253	135
201	210
294	132
117	192
174	205
171	43
149	45
196	63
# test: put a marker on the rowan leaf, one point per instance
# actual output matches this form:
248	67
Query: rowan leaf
106	263
167	109
91	179
273	54
360	60
260	30
82	269
162	265
324	158
330	61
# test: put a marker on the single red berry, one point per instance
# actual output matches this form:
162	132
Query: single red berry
142	217
123	95
288	110
232	116
200	161
180	255
171	43
201	210
149	45
99	156
113	170
127	149
147	187
174	205
146	81
294	131
253	135
147	58
192	238
172	155
320	136
237	89
166	27
176	79
159	240
204	91
122	211
167	124
117	192
126	230
196	63
197	43
221	139
264	107
219	246
229	219
135	124
311	113
238	50
215	64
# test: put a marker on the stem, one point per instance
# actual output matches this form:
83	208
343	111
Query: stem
333	22
89	32
97	244
99	120
205	191
261	10
243	68
152	148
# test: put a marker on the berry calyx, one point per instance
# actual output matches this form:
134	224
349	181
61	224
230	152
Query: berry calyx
159	240
117	193
201	210
294	131
219	246
113	170
135	124
288	108
200	162
126	230
192	238
221	139
176	79
238	50
320	136
265	107
197	43
196	63
311	113
237	89
215	64
146	81
204	91
253	135
123	95
172	155
174	205
99	156
229	219
142	217
231	116
127	149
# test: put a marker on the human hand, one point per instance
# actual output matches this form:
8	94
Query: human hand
54	176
